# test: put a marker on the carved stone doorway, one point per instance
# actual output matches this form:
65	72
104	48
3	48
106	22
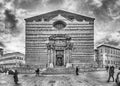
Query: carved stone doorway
59	57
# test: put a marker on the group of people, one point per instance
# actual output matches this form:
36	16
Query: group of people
12	72
111	71
15	75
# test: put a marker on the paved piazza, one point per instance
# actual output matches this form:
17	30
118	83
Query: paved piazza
84	79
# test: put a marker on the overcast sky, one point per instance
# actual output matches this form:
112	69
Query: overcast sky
105	12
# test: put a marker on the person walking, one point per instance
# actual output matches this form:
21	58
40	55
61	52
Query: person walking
117	80
37	72
77	70
15	76
111	73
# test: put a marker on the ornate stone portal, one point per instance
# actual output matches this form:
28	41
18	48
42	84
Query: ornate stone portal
59	48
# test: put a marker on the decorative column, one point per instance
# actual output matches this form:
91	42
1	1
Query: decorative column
69	55
68	59
54	57
48	53
70	46
51	62
65	57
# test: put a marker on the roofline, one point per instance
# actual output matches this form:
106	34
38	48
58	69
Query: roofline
7	54
57	10
38	15
107	45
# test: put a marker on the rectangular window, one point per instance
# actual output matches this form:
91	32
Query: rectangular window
108	50
111	51
105	50
101	50
111	62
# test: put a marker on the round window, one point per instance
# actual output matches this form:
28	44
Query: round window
59	24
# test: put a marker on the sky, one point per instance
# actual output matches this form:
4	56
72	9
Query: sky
13	13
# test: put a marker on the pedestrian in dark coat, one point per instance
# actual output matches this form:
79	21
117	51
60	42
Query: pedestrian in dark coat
15	76
77	70
37	72
117	80
111	73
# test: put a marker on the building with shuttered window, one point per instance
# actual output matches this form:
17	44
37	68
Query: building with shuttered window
11	60
108	55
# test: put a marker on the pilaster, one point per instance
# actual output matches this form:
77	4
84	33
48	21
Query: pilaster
51	59
64	57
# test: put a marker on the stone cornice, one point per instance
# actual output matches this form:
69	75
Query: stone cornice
68	15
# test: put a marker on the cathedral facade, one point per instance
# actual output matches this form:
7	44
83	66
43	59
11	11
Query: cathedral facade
59	38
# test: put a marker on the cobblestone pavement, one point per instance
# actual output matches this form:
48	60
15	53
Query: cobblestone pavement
84	79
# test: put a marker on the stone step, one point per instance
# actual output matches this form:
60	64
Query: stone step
59	71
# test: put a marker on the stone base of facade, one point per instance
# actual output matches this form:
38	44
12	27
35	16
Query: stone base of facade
51	65
68	65
59	70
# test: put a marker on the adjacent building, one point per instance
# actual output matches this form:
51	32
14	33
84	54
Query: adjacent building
96	59
1	52
59	38
108	55
11	60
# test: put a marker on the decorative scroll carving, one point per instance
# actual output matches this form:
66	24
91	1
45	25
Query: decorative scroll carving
69	46
59	37
50	46
59	42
